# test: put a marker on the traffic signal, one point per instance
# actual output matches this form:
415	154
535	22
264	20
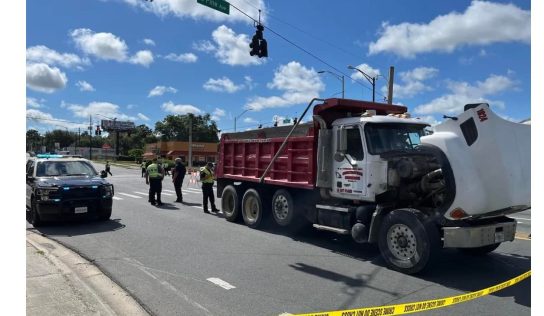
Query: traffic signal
98	131
258	44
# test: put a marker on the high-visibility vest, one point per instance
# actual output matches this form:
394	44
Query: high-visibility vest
153	171
208	176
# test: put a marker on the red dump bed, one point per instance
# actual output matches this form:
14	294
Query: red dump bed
244	156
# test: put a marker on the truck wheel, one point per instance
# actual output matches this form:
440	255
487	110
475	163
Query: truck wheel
479	251
35	219
406	243
283	208
230	203
252	208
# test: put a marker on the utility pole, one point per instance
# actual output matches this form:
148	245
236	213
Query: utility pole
190	141
90	137
390	83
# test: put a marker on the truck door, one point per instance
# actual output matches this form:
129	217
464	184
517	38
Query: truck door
349	163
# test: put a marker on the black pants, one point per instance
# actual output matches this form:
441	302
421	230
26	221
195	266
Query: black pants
207	193
108	171
177	188
155	186
143	172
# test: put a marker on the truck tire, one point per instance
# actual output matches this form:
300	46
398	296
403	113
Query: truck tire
35	219
407	243
480	251
230	203
252	208
283	208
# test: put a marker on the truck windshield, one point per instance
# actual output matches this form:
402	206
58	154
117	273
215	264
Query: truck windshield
382	137
64	168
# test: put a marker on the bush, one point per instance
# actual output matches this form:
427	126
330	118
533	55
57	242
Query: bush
125	158
136	153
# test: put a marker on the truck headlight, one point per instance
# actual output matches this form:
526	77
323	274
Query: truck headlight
43	193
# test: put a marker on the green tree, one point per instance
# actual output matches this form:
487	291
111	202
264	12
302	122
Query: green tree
136	153
176	127
33	139
63	137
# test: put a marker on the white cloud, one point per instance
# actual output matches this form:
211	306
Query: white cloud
356	75
143	117
233	49
160	90
143	57
41	77
149	42
222	85
84	86
47	119
181	109
298	83
43	54
204	46
196	11
482	23
250	120
99	109
248	81
183	58
131	106
412	82
101	45
34	103
464	93
218	114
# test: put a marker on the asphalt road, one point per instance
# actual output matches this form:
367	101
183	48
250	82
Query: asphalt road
167	258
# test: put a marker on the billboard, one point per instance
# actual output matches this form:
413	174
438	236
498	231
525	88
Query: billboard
114	125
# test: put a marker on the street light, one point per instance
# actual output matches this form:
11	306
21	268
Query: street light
341	78
237	117
372	80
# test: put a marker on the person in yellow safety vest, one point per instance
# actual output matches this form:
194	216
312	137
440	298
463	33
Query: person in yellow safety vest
154	176
207	179
143	168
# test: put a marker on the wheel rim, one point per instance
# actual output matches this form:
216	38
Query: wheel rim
251	208
401	242
228	208
281	207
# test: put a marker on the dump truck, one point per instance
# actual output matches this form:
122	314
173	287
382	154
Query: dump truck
368	170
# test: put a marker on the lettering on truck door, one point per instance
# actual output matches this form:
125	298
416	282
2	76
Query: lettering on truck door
349	164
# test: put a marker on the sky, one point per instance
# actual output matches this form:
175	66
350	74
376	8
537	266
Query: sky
139	61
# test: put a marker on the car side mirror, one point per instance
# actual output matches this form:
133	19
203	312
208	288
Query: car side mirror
29	177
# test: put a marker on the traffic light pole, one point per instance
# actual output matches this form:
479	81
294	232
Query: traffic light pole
90	138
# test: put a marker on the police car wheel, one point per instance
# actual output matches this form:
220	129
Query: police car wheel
105	215
35	219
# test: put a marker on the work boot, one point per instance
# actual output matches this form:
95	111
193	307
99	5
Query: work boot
206	211
159	203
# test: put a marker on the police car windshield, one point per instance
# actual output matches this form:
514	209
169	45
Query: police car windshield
64	168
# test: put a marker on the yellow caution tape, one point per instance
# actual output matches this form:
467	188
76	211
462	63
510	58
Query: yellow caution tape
408	308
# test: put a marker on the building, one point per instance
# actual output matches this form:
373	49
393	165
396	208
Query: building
202	152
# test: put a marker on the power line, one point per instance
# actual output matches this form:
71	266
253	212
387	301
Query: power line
307	33
306	51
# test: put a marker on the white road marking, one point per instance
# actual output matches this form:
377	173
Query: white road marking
116	198
169	191
194	190
169	194
146	194
198	207
130	195
221	283
188	192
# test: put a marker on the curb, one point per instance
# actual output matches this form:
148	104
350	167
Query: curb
89	277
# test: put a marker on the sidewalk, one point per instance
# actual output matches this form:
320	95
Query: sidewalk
60	282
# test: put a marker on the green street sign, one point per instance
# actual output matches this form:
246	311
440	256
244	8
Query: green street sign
219	5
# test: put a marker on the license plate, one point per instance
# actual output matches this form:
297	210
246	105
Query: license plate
83	209
499	237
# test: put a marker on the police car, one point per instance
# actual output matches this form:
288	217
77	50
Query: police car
59	186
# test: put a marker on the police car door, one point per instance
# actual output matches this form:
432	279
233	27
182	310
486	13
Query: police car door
348	163
29	180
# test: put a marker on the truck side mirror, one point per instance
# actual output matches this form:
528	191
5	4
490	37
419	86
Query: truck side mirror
342	138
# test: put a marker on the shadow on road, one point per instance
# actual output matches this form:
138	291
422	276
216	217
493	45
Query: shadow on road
76	228
452	269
